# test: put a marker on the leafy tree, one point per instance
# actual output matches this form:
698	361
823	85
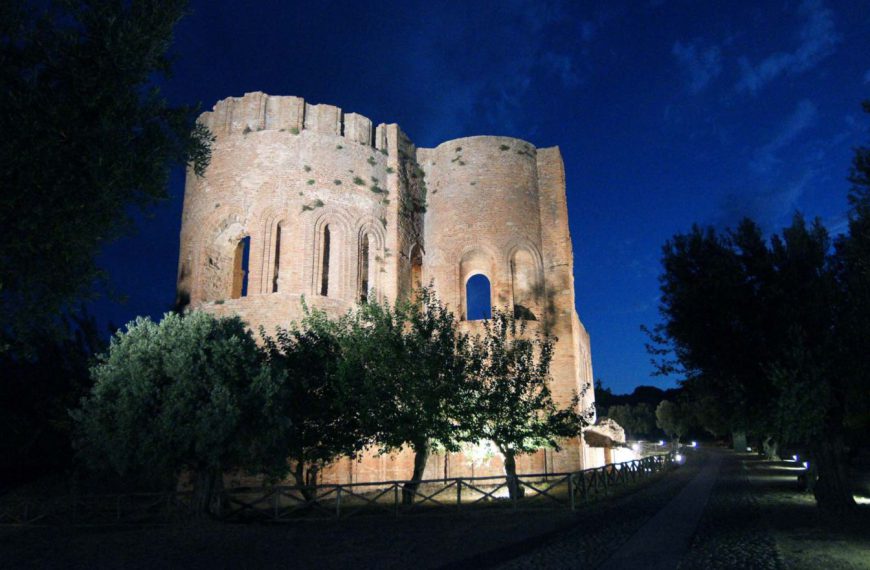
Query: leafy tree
512	403
673	419
86	135
637	419
321	407
36	393
755	328
411	358
191	393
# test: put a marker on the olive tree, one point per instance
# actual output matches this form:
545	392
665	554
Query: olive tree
188	394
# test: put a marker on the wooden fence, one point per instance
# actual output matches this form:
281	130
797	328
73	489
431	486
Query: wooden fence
287	503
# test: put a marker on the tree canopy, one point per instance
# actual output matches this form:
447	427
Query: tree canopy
770	333
512	405
190	393
87	137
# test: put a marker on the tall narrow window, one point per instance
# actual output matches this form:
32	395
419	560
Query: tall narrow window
240	268
364	269
416	268
277	259
478	300
324	267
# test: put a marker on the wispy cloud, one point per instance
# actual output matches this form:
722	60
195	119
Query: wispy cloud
771	207
701	64
765	158
530	43
867	77
817	40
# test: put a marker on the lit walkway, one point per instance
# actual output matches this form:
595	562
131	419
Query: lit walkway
662	541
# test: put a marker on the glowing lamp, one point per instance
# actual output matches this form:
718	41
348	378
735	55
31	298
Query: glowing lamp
694	444
661	442
794	458
678	458
806	464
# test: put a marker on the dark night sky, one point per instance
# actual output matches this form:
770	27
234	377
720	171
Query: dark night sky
667	113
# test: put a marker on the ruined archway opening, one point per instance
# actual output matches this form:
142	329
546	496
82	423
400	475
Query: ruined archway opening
324	263
364	269
478	298
241	259
416	268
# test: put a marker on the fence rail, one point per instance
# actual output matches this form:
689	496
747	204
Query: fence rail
285	503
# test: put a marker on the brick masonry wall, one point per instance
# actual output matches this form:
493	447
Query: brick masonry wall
284	170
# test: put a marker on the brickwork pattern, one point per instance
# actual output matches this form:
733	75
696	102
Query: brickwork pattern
332	204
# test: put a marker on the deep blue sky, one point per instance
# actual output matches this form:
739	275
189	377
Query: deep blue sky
666	112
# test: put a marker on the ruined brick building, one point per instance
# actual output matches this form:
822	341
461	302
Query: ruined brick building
306	200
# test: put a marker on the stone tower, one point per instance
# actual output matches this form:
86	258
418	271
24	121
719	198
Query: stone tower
305	200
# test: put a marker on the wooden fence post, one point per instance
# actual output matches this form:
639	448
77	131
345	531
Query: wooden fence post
571	489
458	493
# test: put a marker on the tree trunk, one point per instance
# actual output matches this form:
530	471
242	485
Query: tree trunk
421	455
515	490
832	489
207	489
738	439
304	481
771	448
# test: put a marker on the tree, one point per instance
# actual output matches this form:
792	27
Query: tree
637	419
754	327
86	136
321	407
411	358
36	394
191	393
673	419
512	403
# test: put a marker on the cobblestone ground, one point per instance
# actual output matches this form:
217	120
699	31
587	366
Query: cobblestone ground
732	532
595	537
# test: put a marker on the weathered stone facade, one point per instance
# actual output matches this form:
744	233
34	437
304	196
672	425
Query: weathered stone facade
335	210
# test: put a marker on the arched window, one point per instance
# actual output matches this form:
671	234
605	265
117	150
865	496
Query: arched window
324	264
416	268
240	268
277	258
364	268
478	299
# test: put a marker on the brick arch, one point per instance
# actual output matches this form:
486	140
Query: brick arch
478	260
527	284
215	243
371	228
268	221
339	262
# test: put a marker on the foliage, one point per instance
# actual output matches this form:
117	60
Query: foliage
637	420
317	403
674	418
190	393
764	331
411	359
86	136
512	404
36	393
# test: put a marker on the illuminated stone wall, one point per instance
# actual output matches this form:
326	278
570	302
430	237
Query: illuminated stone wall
285	174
